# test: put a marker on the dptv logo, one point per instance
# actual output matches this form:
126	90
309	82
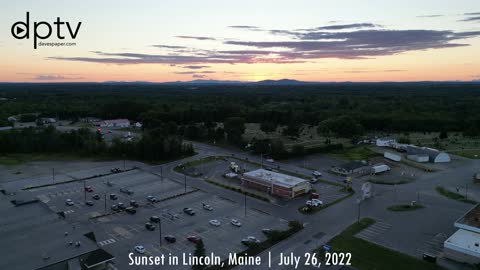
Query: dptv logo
21	30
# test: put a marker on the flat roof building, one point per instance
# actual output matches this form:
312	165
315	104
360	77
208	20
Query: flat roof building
275	183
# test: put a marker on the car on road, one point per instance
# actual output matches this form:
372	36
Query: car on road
193	238
114	207
313	195
267	231
314	202
207	207
270	160
140	249
88	189
121	206
170	238
189	211
89	203
134	203
155	219
96	197
130	210
236	222
150	226
113	197
317	173
250	240
69	202
126	191
215	222
151	199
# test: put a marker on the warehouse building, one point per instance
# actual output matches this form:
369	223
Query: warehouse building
350	168
275	183
464	244
434	155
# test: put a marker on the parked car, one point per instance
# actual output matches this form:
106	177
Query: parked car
126	191
314	202
236	222
96	197
270	160
69	202
150	226
215	222
170	238
267	231
88	189
121	206
155	219
113	197
314	180
114	207
188	211
89	203
193	238
115	170
130	210
140	249
207	207
134	203
317	173
151	199
313	195
250	240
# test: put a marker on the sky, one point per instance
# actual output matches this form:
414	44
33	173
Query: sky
249	40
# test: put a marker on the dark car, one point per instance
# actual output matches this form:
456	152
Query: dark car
88	189
194	238
130	210
89	203
150	226
96	197
126	191
151	199
113	197
114	207
155	219
134	203
170	238
267	231
188	211
121	206
250	240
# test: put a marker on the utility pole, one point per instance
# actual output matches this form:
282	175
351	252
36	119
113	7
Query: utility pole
161	173
123	162
53	175
105	200
245	193
185	184
160	231
466	191
84	191
358	214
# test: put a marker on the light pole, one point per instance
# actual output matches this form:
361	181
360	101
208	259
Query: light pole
160	231
161	173
466	191
185	184
245	193
105	201
84	190
358	212
53	175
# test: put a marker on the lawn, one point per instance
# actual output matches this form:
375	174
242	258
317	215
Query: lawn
369	256
390	182
453	195
18	159
404	207
354	153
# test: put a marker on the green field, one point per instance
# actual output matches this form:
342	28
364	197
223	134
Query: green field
453	195
19	159
369	256
354	153
404	207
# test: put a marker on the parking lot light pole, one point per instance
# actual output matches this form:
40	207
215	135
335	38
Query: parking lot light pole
185	184
84	190
358	213
105	200
53	175
245	193
466	191
161	173
160	231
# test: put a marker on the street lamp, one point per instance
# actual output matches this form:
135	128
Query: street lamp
359	201
160	230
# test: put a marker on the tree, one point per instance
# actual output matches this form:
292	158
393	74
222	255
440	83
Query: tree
199	252
344	126
234	127
443	135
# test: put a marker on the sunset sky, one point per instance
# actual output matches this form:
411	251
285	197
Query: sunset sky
249	40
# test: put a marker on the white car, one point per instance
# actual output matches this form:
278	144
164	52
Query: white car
314	202
69	202
207	207
317	173
215	222
140	249
236	222
269	160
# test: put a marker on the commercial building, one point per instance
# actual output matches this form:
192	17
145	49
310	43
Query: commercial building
392	156
434	155
275	183
464	244
350	168
115	123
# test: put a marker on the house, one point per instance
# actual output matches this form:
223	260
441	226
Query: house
349	167
115	123
434	155
275	183
385	142
464	245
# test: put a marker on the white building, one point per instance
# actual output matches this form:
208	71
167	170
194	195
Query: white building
464	244
434	155
419	158
385	142
392	156
115	123
278	184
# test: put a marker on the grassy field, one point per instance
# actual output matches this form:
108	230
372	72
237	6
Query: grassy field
19	159
369	256
354	153
390	182
453	195
404	207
